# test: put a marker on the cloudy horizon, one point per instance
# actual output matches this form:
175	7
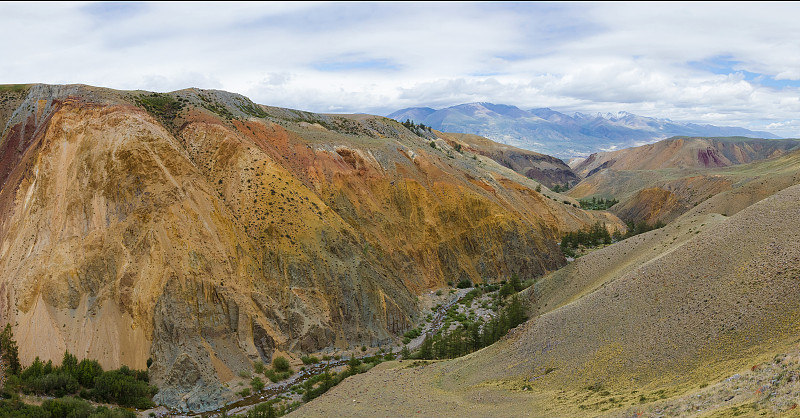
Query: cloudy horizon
730	64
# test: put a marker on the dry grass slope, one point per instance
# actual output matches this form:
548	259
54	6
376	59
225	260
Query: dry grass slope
692	304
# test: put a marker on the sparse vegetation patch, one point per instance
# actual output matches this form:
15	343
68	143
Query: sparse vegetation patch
161	105
418	129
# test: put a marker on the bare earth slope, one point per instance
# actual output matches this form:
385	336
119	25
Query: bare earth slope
203	231
715	296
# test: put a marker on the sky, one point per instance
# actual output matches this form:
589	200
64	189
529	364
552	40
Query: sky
723	63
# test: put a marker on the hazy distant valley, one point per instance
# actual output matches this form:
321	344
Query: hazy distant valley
200	236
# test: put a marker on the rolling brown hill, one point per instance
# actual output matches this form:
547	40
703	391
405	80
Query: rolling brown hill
203	231
661	181
687	152
677	321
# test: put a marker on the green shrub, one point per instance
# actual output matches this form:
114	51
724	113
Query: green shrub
17	408
309	359
413	333
471	336
352	365
67	407
277	376
259	367
280	364
87	371
257	384
121	387
464	284
57	384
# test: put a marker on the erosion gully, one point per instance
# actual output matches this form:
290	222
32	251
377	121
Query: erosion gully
274	390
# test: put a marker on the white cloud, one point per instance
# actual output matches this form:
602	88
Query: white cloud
729	63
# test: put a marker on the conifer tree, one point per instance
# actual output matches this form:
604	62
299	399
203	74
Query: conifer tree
10	350
405	352
426	349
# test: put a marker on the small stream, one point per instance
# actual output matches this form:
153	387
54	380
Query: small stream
273	390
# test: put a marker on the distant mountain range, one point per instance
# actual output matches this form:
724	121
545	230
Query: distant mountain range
550	132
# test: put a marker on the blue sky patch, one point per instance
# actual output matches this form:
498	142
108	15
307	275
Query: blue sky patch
357	65
724	65
114	10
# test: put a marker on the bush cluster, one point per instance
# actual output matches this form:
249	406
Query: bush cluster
472	336
309	360
280	369
418	129
464	284
597	204
595	235
123	386
413	333
639	228
60	408
559	188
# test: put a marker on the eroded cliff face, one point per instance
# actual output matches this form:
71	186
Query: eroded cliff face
204	232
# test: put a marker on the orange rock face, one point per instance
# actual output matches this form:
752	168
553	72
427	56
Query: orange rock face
204	232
